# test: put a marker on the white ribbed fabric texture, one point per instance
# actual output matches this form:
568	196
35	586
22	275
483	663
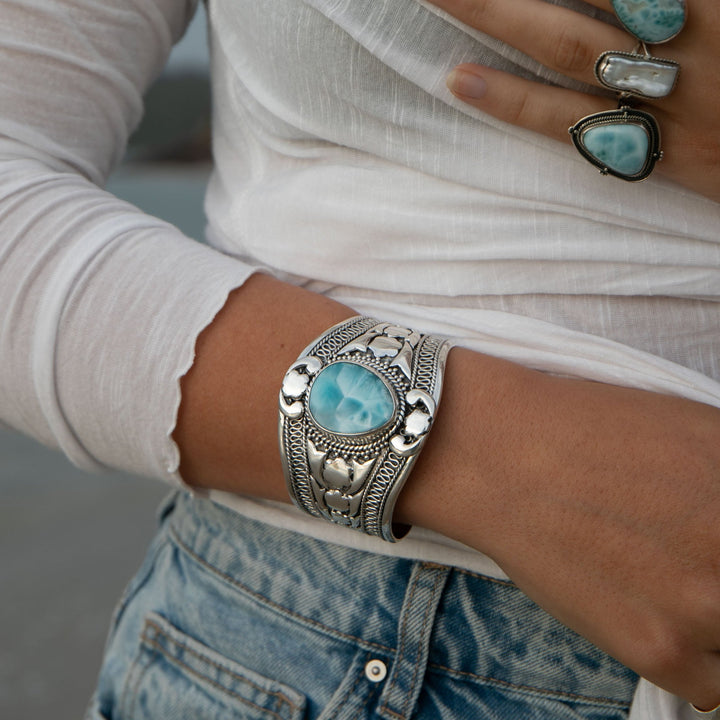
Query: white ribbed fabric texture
343	163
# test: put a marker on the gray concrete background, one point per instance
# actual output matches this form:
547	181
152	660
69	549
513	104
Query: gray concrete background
68	544
70	541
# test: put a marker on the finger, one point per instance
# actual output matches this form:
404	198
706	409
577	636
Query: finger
541	108
559	38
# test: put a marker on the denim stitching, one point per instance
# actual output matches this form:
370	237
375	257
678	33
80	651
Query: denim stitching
413	681
279	702
438	578
461	675
362	707
529	690
282	698
387	710
154	644
368	644
403	635
350	691
365	704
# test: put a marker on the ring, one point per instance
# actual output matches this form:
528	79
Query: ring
625	142
651	21
355	410
635	74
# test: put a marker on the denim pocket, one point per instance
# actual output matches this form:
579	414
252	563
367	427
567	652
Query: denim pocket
176	676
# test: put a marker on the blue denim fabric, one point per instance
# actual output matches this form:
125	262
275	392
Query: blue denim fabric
231	618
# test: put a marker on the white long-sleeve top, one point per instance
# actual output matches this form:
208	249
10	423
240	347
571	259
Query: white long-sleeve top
344	164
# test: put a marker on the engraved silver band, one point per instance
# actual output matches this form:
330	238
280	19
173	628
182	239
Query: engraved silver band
351	471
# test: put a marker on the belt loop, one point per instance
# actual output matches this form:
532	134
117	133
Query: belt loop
417	618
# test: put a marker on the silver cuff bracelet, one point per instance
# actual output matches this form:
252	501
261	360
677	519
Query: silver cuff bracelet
355	410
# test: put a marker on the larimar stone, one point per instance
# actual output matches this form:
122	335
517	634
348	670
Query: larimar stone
630	73
652	21
623	147
350	399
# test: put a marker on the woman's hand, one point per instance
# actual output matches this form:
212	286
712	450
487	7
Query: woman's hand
600	502
570	43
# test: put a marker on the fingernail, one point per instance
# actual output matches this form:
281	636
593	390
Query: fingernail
467	84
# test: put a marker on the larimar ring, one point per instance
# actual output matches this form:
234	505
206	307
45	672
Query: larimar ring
355	410
651	21
625	142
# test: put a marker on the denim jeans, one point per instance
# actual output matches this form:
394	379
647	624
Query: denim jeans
231	618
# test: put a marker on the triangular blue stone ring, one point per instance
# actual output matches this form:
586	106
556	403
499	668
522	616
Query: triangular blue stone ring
623	142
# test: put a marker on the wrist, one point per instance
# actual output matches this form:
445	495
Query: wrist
463	482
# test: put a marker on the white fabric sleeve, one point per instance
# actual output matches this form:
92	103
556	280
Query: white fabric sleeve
101	304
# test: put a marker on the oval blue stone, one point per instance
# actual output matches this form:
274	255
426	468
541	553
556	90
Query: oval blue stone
654	21
349	399
623	147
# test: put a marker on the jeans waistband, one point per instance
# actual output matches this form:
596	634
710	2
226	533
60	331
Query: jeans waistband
473	627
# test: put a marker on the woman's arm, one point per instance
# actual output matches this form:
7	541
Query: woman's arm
600	502
100	304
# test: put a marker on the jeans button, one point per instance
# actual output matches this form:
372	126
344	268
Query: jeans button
376	671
